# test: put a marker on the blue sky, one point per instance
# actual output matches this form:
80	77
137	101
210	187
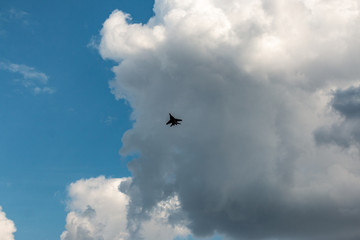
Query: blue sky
52	138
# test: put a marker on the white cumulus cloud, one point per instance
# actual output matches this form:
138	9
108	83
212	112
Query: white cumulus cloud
98	210
254	82
7	227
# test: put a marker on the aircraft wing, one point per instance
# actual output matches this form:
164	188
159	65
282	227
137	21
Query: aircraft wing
168	122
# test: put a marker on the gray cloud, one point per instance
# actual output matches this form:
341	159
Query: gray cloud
347	102
346	131
248	81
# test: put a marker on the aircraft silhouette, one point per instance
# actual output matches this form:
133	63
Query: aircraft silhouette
173	121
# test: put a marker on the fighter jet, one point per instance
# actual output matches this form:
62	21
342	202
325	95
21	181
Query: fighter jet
173	121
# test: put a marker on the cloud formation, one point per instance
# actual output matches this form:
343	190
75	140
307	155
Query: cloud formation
7	227
32	79
252	82
98	211
345	132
